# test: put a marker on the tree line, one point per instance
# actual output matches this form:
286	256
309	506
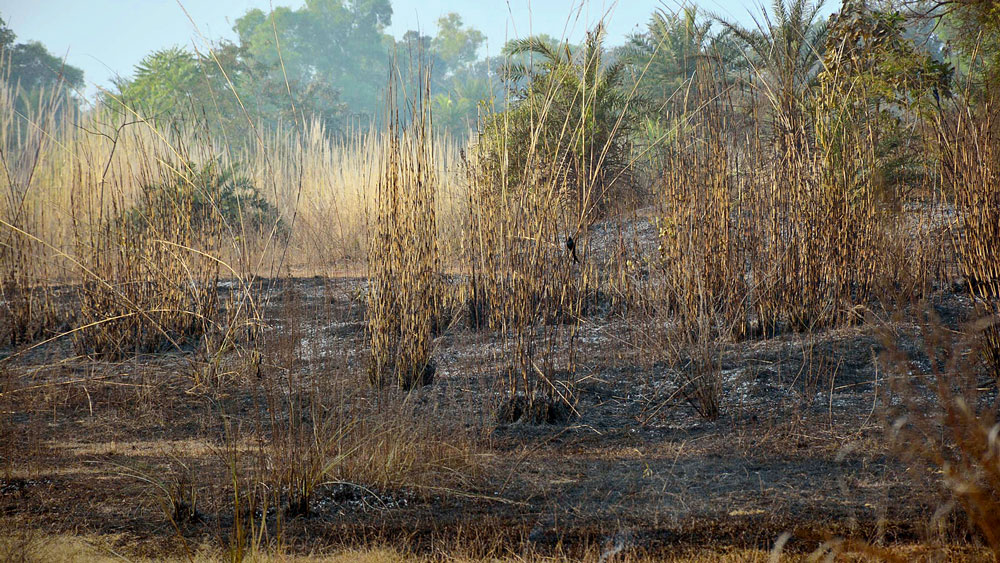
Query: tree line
331	59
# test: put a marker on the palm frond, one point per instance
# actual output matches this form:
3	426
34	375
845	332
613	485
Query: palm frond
531	46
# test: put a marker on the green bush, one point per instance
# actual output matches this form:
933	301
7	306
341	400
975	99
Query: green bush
209	199
568	124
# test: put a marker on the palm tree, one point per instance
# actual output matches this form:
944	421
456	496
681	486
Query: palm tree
664	59
456	107
784	52
570	102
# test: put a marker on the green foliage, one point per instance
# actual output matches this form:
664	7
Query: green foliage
31	68
7	36
315	61
327	59
34	68
868	46
41	86
875	80
569	122
414	59
456	108
166	81
176	85
663	60
664	63
971	29
208	198
784	52
331	45
457	46
459	84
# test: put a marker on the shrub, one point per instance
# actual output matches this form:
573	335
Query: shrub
569	123
207	194
403	265
971	170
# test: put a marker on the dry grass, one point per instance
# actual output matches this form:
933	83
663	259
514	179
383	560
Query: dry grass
328	185
32	548
404	269
526	285
757	236
969	139
67	176
30	308
539	178
146	274
948	421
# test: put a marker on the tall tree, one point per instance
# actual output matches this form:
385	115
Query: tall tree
972	28
167	81
37	78
6	35
177	85
663	59
784	53
341	44
31	66
457	46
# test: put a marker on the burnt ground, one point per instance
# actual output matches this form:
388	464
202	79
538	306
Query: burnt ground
801	445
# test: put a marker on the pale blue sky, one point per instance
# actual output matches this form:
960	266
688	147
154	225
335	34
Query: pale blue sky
108	37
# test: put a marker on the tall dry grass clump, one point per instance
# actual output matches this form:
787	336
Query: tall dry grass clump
970	149
151	277
760	234
947	420
820	221
154	231
543	171
403	264
30	309
539	176
113	210
817	244
699	233
701	253
773	234
526	285
820	236
316	185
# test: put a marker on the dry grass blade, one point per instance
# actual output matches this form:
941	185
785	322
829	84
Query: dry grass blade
403	265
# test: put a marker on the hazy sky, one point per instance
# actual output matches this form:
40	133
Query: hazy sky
108	37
